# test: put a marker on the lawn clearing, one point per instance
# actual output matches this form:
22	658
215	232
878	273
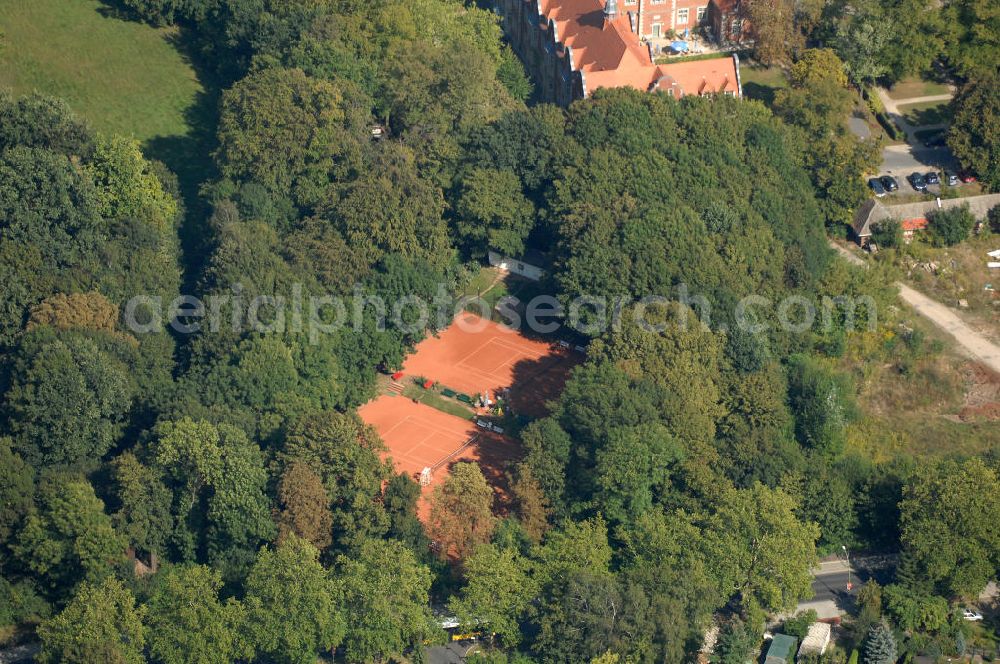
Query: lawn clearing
762	82
915	86
926	113
122	76
437	401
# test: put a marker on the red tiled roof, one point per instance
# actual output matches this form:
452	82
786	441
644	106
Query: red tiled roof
916	224
610	55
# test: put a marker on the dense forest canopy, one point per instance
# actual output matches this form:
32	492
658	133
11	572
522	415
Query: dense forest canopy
687	474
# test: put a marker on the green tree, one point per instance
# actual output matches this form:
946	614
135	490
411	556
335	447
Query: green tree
737	642
391	209
547	452
916	37
972	37
798	626
974	133
386	590
888	234
288	132
492	212
462	511
143	517
861	41
880	647
945	518
218	480
17	490
590	614
68	399
822	402
70	538
126	185
344	452
759	549
100	624
186	622
400	498
952	226
815	65
291	606
42	122
496	593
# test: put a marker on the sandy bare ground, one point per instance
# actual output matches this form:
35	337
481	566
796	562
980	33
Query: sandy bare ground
970	342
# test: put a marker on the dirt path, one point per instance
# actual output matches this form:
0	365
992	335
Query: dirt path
969	341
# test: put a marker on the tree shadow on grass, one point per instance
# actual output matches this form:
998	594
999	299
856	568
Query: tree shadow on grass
189	157
764	93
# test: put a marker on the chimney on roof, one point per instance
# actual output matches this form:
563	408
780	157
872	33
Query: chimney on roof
611	9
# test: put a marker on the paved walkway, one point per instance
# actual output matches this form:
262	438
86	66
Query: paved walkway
970	342
892	108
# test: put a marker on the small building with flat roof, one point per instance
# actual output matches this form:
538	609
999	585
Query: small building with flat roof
816	640
781	650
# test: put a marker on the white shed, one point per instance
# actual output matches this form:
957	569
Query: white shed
517	266
816	640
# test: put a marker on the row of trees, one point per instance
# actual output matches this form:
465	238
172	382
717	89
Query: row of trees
886	40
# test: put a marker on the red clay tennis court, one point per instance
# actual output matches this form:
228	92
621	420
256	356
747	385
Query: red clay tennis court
475	354
419	437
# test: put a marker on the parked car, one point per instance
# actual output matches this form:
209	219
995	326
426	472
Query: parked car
966	177
889	183
973	616
932	178
876	187
950	179
917	182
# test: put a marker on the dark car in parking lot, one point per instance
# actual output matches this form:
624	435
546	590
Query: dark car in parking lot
876	186
889	183
950	179
917	182
932	178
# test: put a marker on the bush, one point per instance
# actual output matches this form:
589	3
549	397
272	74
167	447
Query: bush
993	219
951	226
799	625
888	234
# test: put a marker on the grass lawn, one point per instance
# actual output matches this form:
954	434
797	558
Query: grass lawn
435	400
762	82
917	87
926	113
122	76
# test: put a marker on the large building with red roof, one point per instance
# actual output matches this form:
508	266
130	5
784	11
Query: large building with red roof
573	47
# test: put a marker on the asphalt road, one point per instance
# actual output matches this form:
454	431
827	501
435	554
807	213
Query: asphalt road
901	160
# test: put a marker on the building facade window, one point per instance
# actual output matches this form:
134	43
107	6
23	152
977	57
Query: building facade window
700	15
737	28
657	28
682	16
